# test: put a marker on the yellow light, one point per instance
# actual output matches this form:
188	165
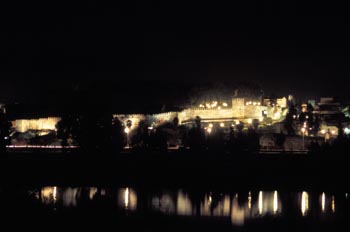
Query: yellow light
222	124
254	103
333	204
237	122
333	132
127	130
201	106
209	130
258	103
224	104
249	200
303	130
211	125
250	120
219	107
323	132
261	119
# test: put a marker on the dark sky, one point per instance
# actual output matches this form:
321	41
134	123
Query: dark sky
47	48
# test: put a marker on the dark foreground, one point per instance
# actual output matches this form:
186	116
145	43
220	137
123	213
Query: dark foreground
173	192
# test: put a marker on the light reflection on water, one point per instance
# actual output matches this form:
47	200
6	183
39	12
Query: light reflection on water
236	207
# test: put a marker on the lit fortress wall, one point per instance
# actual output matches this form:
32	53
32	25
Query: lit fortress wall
242	109
23	125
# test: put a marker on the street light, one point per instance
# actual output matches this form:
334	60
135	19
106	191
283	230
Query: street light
303	130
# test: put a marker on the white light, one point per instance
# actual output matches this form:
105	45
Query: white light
222	124
126	198
260	202
127	130
304	203
323	202
210	125
224	104
333	204
54	193
219	107
323	132
150	128
346	130
307	116
303	130
261	119
333	132
209	130
294	116
275	202
201	106
250	120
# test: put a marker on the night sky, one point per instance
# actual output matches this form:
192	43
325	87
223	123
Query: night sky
52	48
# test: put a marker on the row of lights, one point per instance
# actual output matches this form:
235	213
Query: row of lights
213	105
252	103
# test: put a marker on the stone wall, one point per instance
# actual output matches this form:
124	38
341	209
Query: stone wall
23	125
205	114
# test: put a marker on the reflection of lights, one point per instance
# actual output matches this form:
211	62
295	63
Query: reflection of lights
210	200
222	124
150	128
333	204
346	195
127	130
209	130
211	125
49	195
92	193
201	106
249	200
294	116
275	202
126	198
323	202
224	104
250	120
304	203
260	202
54	193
